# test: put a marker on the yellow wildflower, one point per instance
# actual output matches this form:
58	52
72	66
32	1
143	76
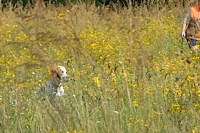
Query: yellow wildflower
96	80
198	93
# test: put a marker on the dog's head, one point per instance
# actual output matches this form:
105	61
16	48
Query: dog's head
60	73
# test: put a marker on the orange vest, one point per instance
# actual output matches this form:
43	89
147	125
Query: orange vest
193	30
194	12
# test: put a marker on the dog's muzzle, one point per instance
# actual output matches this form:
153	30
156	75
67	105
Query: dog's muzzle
66	79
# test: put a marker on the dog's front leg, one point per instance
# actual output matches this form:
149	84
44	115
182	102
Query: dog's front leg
60	91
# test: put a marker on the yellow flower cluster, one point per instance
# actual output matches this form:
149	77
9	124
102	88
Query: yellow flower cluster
136	69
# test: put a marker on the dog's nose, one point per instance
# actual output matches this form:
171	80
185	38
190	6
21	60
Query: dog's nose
67	78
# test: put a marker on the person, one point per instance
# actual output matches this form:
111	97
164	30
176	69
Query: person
191	27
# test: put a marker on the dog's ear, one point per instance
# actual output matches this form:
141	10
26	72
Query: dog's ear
54	72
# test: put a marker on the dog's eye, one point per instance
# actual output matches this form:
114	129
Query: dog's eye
62	72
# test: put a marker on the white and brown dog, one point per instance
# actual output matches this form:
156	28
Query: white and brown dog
54	86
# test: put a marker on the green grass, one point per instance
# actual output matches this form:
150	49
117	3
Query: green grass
127	71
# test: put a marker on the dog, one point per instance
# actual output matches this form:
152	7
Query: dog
53	87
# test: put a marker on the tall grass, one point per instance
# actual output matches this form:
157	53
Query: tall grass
127	70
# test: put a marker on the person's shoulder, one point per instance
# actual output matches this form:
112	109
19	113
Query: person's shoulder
194	7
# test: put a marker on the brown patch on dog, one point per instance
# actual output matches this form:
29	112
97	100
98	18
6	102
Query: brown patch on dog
55	72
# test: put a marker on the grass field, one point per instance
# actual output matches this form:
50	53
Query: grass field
128	74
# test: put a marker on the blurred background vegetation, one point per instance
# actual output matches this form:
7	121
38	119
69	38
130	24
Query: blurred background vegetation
123	3
130	69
